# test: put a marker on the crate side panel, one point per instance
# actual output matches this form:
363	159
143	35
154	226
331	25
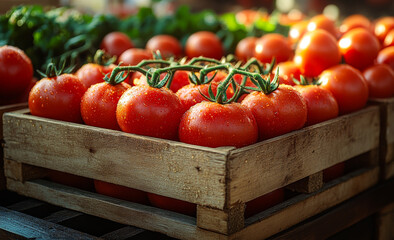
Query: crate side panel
390	121
164	167
266	166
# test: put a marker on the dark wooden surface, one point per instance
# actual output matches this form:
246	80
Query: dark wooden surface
26	218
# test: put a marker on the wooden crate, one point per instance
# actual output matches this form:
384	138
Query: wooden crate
386	136
4	109
218	180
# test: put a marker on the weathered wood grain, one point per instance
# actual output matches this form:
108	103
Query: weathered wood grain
22	172
191	173
172	224
260	168
300	208
308	184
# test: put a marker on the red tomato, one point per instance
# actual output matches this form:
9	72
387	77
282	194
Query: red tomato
190	95
333	172
204	44
272	45
322	22
277	113
149	111
386	56
359	47
172	204
16	72
212	124
70	180
115	43
98	104
57	98
355	21
348	86
121	192
380	79
389	39
297	31
264	202
133	56
168	46
320	103
245	48
288	70
317	51
181	79
92	73
383	26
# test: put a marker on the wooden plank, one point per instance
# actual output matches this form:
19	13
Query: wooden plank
385	229
263	167
309	184
389	157
303	206
389	170
172	224
22	172
222	221
344	215
25	205
29	227
123	233
390	121
62	215
195	174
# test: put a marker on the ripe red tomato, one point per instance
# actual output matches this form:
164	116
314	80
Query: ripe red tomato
359	47
98	104
317	51
320	103
115	43
380	79
168	46
57	98
92	73
322	22
121	192
172	204
133	56
287	71
212	124
190	95
70	180
204	44
277	113
386	56
272	45
180	79
383	26
355	21
297	31
149	111
389	39
245	48
264	202
16	72
348	86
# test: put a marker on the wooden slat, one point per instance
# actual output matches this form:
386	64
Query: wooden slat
62	215
22	172
390	121
172	224
25	205
309	184
303	206
389	170
345	215
123	233
385	229
195	174
25	226
263	167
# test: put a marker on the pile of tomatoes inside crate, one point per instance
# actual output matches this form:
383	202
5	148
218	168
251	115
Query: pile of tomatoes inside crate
194	94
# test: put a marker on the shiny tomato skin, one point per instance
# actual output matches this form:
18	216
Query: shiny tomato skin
383	26
389	39
133	56
57	98
317	51
380	79
115	43
172	204
16	71
355	21
348	86
282	111
320	103
288	70
212	124
205	44
264	202
92	73
386	56
272	45
297	31
168	46
150	112
180	79
70	180
121	192
245	48
359	47
322	22
98	104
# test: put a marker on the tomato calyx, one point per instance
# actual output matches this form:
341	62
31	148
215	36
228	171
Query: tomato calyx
103	59
53	71
304	82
